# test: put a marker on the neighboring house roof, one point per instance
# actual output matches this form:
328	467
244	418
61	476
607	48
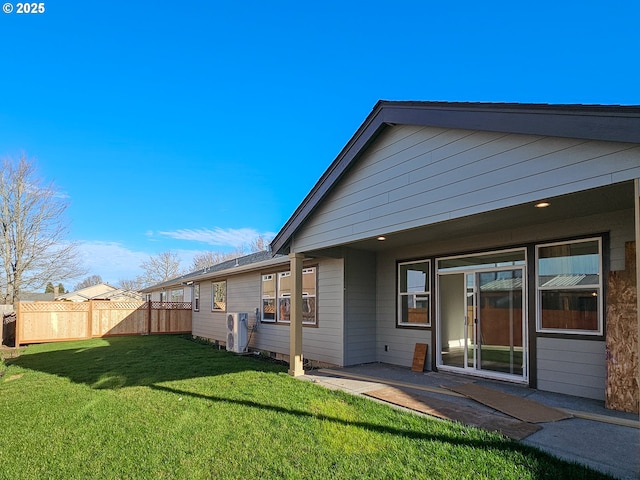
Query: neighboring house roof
240	264
87	293
36	297
101	291
122	295
593	122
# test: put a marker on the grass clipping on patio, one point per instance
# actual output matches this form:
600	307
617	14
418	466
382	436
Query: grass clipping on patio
166	407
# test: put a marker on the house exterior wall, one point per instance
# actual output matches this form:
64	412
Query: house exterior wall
573	366
456	173
322	343
360	307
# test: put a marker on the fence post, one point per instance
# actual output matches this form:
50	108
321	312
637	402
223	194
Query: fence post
18	323
149	318
90	320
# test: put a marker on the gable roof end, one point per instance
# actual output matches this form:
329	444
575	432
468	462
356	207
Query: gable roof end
592	122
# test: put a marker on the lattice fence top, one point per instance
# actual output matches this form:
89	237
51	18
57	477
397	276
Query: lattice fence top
171	305
54	306
110	305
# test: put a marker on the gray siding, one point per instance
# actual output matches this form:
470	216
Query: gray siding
360	307
573	367
457	173
326	343
205	323
401	341
322	344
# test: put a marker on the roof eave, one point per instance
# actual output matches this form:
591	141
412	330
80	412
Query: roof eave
592	122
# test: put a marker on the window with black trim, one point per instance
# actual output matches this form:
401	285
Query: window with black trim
414	293
569	284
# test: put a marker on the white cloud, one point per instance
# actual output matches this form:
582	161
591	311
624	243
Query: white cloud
111	260
230	237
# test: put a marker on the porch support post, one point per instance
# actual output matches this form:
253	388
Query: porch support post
295	332
637	224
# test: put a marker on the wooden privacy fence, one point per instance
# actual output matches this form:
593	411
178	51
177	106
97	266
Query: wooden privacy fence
40	322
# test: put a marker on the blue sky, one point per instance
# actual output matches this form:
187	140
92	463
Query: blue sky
195	126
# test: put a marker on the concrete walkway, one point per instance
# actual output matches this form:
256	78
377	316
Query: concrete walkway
605	440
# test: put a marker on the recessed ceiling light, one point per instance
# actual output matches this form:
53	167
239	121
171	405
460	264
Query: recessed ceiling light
382	238
542	204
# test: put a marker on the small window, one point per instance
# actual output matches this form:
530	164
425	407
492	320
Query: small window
177	295
284	296
196	297
269	298
276	297
309	296
414	294
569	282
219	296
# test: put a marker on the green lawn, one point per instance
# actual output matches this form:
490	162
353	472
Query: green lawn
166	407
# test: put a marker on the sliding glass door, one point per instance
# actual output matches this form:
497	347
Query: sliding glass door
481	315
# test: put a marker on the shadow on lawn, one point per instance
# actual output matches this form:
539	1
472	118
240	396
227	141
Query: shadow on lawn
136	361
541	465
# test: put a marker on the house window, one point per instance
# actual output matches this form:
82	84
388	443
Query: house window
569	282
196	297
309	296
219	296
284	296
414	294
163	296
269	298
177	295
276	297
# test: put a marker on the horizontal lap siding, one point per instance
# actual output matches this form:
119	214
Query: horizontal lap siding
205	323
326	342
573	367
401	341
243	295
360	311
412	177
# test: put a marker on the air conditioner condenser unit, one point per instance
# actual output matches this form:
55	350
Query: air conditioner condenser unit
237	328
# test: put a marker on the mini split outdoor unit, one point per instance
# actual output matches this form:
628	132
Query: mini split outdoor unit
237	327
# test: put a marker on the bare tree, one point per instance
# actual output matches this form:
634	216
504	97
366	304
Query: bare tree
33	246
131	284
160	268
259	244
90	281
206	259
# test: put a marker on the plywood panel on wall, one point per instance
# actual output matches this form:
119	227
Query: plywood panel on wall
622	392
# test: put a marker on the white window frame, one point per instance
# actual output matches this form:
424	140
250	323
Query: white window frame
306	295
174	295
196	297
277	276
598	286
416	295
263	278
